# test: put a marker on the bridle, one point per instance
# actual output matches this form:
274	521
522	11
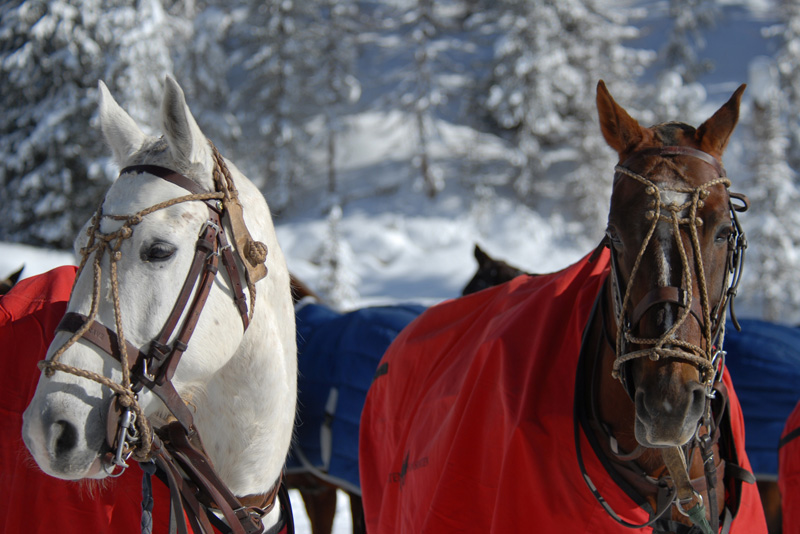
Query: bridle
709	357
175	451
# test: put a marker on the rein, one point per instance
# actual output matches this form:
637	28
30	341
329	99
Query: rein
176	451
709	356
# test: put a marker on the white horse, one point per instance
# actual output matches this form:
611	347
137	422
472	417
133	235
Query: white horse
239	383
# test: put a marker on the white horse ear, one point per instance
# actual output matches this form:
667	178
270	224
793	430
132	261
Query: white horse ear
186	141
121	132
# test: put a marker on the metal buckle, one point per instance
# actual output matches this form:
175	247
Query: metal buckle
126	434
679	503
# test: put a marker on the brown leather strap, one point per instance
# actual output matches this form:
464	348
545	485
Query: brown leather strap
190	322
678	151
211	491
235	278
205	246
166	174
672	295
101	336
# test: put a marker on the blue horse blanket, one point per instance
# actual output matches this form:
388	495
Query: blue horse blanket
338	354
764	362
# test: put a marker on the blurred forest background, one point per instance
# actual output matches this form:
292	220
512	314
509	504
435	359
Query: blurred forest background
495	99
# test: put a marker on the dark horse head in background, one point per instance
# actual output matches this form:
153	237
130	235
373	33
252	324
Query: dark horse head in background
491	272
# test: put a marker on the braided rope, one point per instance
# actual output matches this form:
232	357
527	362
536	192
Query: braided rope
697	355
100	243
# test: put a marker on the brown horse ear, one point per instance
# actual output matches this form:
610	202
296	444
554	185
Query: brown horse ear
713	135
621	131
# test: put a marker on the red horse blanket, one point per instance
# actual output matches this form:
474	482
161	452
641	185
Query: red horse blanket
789	473
468	426
31	501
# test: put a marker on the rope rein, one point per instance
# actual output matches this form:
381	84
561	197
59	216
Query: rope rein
670	213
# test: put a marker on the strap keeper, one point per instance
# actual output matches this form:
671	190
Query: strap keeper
205	245
158	351
250	520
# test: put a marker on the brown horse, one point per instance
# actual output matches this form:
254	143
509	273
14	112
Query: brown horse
490	272
662	427
494	271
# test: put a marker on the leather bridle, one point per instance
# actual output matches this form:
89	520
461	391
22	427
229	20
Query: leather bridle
175	451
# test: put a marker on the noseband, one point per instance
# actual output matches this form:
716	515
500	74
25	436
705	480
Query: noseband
709	356
176	449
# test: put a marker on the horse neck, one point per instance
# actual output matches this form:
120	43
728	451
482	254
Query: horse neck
615	409
245	414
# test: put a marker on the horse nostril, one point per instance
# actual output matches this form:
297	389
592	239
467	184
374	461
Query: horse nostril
66	437
699	396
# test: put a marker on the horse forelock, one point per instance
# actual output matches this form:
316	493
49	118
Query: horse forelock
673	133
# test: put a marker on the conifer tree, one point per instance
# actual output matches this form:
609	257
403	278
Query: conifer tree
773	226
546	69
276	53
788	62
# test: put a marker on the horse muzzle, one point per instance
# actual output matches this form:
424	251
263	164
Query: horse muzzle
57	433
668	408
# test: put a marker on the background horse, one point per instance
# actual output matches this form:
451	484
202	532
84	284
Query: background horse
474	424
338	354
236	382
8	282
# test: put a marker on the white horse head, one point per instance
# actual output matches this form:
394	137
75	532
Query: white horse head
239	384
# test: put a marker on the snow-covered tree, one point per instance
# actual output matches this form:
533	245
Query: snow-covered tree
338	86
202	67
677	93
338	283
773	226
685	40
277	50
788	62
423	28
52	55
546	69
144	36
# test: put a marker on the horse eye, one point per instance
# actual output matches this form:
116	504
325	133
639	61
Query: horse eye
158	251
724	234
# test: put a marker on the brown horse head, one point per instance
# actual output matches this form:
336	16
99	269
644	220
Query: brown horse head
672	233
